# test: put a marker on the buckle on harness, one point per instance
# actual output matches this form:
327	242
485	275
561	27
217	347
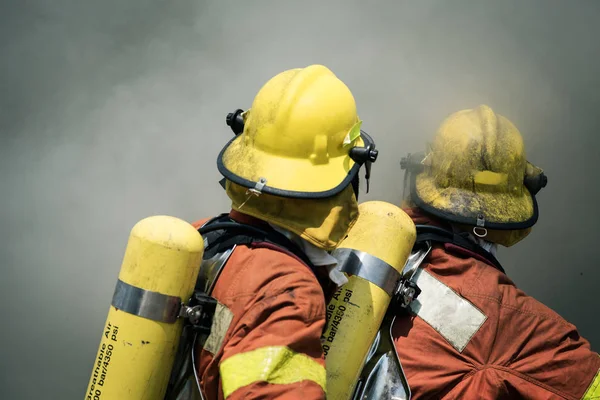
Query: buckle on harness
200	312
408	290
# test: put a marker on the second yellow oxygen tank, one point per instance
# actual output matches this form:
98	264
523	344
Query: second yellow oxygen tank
373	255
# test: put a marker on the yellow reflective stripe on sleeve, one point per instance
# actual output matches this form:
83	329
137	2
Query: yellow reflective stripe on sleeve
593	391
275	365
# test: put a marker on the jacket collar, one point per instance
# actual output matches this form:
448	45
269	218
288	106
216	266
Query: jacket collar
419	217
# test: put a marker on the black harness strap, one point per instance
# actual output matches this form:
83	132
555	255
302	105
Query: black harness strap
440	235
222	233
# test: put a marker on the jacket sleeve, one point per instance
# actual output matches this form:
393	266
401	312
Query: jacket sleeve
551	353
274	349
563	362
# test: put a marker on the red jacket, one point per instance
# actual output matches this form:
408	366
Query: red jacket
269	321
477	336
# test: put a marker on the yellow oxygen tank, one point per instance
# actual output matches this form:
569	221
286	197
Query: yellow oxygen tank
142	330
373	255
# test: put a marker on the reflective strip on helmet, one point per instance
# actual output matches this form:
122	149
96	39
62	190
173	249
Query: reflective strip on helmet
593	391
452	316
220	325
276	365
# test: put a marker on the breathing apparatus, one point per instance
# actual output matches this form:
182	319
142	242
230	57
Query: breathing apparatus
373	255
152	298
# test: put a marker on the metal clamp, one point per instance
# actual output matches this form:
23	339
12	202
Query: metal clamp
407	289
481	220
145	303
406	293
257	190
164	308
368	267
200	312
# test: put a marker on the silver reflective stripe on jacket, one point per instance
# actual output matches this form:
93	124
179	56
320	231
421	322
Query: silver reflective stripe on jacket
451	315
184	381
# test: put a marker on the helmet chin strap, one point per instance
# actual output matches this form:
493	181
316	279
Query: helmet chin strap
487	246
355	185
490	247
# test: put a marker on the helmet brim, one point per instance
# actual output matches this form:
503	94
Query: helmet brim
287	177
501	211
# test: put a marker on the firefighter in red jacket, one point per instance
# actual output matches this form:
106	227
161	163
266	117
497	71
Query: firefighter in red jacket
471	333
291	171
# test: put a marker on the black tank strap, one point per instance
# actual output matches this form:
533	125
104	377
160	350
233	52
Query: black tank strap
436	234
222	233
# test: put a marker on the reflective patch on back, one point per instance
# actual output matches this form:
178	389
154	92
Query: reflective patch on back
220	325
451	315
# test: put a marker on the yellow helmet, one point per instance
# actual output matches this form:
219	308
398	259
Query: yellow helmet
476	173
300	139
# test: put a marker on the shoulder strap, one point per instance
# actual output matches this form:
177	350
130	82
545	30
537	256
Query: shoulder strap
222	233
435	234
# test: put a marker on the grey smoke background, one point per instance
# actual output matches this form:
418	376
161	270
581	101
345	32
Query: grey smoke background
111	111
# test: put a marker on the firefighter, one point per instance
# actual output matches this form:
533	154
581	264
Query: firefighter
291	173
471	333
